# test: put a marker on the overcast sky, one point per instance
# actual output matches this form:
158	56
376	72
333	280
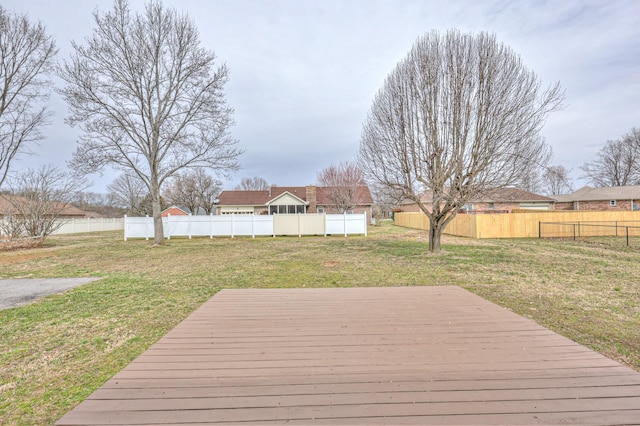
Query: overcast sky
304	73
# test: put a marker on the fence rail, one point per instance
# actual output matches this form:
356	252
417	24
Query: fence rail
515	225
606	231
78	226
248	225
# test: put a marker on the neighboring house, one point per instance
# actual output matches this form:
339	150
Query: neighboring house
174	211
288	199
612	198
68	212
500	200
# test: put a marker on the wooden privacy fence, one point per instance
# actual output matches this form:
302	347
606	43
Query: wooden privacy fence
518	225
249	225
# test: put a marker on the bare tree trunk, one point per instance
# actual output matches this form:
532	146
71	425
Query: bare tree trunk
435	234
156	208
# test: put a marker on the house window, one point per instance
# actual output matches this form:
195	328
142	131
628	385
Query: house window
320	209
492	206
286	209
613	203
635	207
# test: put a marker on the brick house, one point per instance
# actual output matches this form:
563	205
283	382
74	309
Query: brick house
290	200
500	200
615	198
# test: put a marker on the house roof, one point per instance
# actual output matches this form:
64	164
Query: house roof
174	208
67	211
511	195
262	198
498	195
362	195
587	193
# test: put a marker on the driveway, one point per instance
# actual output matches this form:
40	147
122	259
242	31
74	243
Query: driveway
21	291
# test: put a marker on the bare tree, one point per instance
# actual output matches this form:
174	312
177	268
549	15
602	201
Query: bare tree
26	57
208	190
531	176
460	115
193	189
99	203
182	190
38	199
143	92
342	184
617	163
556	180
252	184
128	191
385	199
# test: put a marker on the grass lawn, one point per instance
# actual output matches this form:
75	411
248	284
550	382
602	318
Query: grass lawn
56	351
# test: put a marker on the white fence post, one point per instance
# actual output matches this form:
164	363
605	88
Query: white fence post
237	225
345	224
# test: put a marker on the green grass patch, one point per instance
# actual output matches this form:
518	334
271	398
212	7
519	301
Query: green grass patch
58	350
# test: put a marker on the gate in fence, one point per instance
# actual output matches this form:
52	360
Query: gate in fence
615	232
249	225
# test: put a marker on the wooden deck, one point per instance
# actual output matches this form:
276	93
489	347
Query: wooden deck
406	355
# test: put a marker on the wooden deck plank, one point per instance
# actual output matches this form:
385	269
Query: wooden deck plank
410	355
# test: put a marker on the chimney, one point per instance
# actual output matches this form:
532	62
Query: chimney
311	199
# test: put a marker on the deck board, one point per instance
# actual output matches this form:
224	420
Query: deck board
405	355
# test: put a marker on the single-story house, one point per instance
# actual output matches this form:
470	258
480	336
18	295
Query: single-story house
289	199
612	198
499	200
68	211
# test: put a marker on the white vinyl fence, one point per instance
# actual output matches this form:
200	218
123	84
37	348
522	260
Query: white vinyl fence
78	226
248	225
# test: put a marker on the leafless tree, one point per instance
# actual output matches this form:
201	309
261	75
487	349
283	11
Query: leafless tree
385	200
143	92
342	184
617	163
99	203
252	184
556	180
531	176
128	191
181	190
458	116
208	190
26	57
38	199
193	189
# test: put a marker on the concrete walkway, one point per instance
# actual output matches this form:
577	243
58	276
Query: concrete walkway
20	291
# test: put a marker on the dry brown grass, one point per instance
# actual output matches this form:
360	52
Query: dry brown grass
56	351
